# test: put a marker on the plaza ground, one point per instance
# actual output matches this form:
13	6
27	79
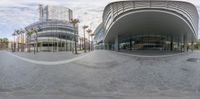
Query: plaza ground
100	75
48	56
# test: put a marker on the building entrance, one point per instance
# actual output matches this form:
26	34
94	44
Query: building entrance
149	43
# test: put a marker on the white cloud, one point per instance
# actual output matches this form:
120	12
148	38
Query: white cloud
16	14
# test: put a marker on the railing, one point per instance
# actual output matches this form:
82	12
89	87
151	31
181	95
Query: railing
48	39
56	28
117	8
51	23
56	31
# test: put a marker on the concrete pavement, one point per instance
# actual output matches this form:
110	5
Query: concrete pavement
101	75
47	58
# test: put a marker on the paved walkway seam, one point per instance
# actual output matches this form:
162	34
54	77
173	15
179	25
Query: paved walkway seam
48	63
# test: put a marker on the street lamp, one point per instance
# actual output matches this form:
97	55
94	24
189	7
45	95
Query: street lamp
74	22
84	27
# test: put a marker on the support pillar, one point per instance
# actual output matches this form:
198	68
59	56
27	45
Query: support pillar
171	44
108	46
105	46
52	47
184	43
131	44
65	45
41	45
192	46
116	45
80	44
70	46
178	44
57	46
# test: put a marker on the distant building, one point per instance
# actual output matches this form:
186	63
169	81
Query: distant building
55	13
81	43
56	33
3	43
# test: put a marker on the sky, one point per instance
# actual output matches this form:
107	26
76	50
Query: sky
16	14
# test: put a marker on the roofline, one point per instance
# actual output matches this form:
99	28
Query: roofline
152	1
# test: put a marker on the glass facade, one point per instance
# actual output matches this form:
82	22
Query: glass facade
148	25
53	35
55	13
55	32
150	42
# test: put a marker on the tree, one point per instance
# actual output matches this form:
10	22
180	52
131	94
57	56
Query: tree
29	33
35	30
74	22
14	45
91	36
1	40
89	32
22	32
17	32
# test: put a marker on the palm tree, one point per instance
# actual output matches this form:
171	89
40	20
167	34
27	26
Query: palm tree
35	30
17	34
89	32
29	33
1	43
22	39
84	27
14	46
91	36
74	22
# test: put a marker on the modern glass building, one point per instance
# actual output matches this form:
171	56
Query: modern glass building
149	24
99	36
54	13
55	32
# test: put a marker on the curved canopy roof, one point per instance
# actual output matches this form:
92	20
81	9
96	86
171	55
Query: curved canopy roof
149	22
130	18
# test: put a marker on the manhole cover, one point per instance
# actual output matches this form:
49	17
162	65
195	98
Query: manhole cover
193	60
